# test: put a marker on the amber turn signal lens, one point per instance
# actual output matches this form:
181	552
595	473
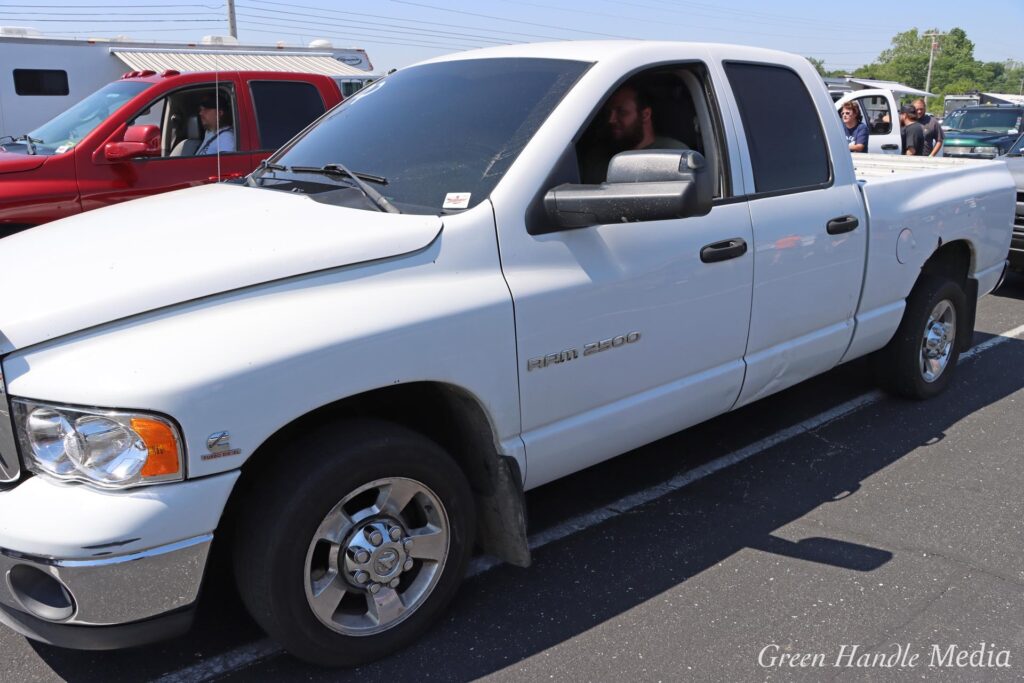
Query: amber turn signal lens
163	447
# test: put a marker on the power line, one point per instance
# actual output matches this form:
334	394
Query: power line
446	24
688	25
315	30
755	16
514	21
401	29
119	21
334	37
104	14
121	6
90	32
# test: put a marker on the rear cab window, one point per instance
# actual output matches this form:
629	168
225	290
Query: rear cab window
283	109
788	151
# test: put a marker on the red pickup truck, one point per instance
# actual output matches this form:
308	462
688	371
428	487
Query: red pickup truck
144	134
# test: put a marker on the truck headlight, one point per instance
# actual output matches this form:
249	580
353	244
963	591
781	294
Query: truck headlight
993	151
107	448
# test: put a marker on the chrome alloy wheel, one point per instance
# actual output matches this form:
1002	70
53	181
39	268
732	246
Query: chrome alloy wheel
939	337
376	556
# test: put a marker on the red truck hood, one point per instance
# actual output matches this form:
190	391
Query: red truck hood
127	259
12	163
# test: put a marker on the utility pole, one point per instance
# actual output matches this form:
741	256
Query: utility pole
232	27
931	58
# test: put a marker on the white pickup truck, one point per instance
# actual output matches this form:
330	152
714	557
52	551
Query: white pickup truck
348	375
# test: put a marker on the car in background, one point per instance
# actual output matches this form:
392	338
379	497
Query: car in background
982	132
141	135
1014	159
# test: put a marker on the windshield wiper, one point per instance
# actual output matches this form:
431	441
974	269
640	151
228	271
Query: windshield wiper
30	142
338	169
265	165
358	177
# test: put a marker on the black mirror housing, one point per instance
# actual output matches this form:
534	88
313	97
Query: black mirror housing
642	185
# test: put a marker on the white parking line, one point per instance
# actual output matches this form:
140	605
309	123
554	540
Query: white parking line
247	655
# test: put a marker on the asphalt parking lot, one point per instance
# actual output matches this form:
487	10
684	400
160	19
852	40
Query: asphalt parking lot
827	520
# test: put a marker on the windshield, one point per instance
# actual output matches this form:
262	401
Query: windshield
985	120
66	130
438	136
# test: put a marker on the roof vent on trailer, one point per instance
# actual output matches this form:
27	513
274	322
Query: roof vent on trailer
321	44
219	40
19	32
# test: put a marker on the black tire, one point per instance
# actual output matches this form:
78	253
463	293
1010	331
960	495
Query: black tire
286	507
898	366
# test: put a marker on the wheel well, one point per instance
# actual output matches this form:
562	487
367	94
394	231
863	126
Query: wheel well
953	260
447	415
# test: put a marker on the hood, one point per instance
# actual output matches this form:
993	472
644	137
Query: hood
11	162
123	260
958	138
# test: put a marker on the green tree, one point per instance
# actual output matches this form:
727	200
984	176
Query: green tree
954	68
818	64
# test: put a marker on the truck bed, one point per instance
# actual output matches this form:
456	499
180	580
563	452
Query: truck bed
868	166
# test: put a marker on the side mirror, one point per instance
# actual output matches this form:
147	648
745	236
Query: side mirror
642	185
139	141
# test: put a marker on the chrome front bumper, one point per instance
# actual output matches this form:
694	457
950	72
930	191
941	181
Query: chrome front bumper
103	603
104	591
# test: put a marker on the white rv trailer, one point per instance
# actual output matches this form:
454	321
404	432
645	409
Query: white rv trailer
41	77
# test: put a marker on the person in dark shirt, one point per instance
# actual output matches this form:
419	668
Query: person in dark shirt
933	134
856	130
911	131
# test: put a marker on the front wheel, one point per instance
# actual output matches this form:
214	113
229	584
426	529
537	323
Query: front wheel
354	551
919	360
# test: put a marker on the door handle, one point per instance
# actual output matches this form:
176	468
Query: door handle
724	250
890	146
842	224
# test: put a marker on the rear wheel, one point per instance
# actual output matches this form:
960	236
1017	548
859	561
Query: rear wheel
919	360
355	550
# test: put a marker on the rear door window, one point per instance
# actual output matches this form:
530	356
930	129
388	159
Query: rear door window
784	132
283	108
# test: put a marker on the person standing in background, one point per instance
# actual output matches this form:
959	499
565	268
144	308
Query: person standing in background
856	130
911	131
933	134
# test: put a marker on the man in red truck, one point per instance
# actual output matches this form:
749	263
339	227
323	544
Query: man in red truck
144	134
215	115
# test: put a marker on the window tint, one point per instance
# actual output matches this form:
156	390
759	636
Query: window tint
440	133
40	82
283	109
787	143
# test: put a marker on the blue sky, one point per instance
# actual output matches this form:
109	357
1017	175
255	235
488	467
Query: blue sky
399	32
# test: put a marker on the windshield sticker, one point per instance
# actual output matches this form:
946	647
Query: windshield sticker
456	200
62	149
